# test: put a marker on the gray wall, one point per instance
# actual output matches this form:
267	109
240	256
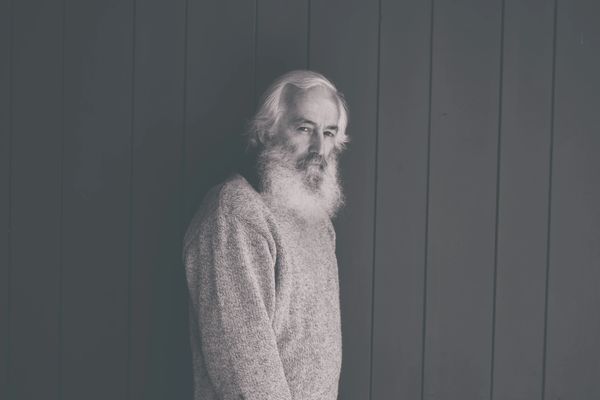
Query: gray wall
469	249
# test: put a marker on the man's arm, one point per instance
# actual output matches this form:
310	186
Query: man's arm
232	283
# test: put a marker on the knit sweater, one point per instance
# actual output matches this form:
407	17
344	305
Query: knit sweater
264	300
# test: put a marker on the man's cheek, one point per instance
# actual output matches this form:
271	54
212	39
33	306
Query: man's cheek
289	148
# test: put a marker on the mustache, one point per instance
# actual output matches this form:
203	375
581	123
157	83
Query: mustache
312	159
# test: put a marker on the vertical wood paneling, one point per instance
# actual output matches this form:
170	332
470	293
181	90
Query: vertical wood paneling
158	336
5	94
35	191
462	205
282	39
523	200
401	199
343	46
173	84
220	92
97	168
573	329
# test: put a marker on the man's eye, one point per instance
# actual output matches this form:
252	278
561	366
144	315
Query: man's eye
304	129
329	133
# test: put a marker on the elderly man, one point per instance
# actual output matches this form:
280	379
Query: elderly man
260	255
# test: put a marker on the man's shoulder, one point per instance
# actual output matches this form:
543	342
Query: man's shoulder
233	199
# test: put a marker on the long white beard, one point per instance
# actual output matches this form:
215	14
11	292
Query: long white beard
307	189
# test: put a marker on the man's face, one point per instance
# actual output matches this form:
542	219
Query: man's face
308	130
298	165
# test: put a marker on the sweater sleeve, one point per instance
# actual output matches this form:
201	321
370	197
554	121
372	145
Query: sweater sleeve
231	278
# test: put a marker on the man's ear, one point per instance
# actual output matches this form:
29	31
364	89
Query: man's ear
262	137
266	136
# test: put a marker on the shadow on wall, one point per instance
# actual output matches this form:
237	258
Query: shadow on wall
170	372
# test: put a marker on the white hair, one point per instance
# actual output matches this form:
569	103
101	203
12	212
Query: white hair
273	107
287	187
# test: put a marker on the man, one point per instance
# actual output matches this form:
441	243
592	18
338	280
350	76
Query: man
260	255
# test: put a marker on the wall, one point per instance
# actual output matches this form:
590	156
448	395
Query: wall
469	248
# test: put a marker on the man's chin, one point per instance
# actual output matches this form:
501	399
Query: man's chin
314	180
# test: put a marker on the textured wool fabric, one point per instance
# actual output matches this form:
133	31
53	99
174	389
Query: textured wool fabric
264	300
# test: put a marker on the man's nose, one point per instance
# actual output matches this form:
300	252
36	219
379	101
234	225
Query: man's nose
316	142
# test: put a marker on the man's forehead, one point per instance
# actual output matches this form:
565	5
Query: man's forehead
311	103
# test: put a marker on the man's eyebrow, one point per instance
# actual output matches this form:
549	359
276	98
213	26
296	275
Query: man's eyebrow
308	121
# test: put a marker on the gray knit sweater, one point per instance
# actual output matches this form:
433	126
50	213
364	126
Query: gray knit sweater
264	300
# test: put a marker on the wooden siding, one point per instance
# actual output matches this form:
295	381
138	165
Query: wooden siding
469	248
